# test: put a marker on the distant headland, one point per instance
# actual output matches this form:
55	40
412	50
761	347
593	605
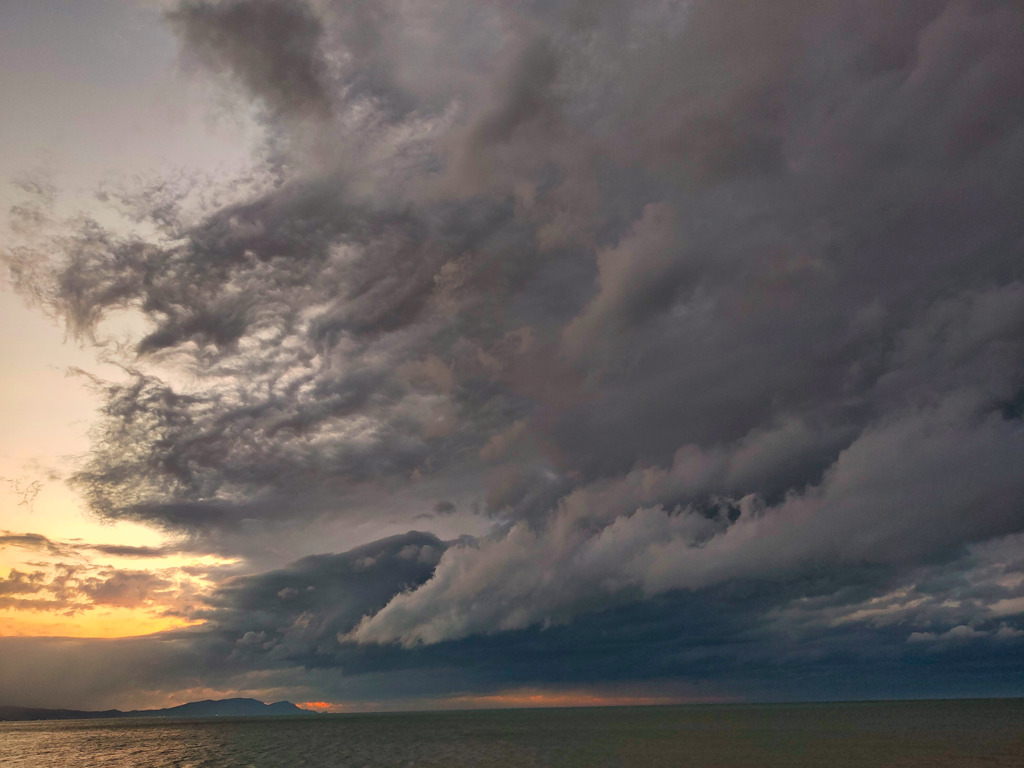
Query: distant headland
207	708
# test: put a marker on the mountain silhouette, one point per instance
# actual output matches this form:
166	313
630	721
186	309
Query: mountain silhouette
206	708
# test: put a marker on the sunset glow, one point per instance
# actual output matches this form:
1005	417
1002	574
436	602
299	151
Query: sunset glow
321	706
104	623
526	699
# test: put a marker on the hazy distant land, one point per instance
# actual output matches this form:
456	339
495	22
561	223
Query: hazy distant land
206	708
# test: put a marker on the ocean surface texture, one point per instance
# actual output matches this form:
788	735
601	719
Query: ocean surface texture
934	734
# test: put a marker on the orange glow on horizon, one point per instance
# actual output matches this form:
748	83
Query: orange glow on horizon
320	706
527	699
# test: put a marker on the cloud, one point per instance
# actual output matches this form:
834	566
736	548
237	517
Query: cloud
963	635
346	335
31	541
125	550
70	577
444	508
25	489
272	49
70	588
896	495
18	583
296	614
631	277
281	633
36	541
126	589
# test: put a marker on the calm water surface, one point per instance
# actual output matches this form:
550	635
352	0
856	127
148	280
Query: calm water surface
934	734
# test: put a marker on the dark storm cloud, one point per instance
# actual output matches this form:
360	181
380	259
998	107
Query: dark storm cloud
297	613
680	296
271	48
822	634
338	320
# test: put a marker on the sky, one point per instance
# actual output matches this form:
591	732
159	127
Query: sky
378	354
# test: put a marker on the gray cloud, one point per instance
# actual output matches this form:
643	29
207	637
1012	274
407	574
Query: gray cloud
32	541
73	547
124	550
125	589
271	48
896	495
824	634
296	614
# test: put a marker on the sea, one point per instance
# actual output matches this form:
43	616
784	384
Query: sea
932	734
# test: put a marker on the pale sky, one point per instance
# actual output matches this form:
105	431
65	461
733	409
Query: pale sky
95	97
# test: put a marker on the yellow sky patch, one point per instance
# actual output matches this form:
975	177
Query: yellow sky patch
100	622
